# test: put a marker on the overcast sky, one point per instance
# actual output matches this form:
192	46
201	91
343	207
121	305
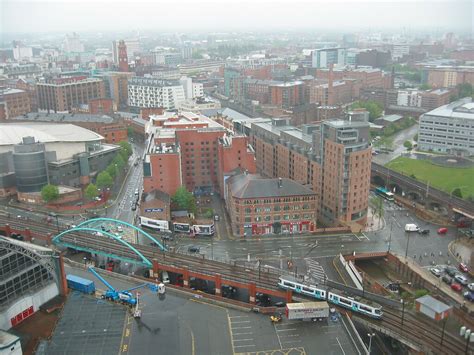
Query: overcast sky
110	15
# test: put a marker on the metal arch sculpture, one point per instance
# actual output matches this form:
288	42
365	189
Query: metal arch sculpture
57	239
48	264
139	230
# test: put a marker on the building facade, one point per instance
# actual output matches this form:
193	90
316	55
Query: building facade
448	129
149	92
263	206
64	94
323	58
17	102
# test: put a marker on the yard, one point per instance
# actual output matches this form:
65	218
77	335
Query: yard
443	178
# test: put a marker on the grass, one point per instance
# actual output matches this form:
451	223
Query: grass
443	178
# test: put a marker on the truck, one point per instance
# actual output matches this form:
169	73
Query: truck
307	310
411	227
79	284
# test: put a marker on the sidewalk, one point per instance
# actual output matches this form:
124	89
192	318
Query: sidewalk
374	223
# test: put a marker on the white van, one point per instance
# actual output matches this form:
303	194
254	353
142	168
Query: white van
165	277
410	227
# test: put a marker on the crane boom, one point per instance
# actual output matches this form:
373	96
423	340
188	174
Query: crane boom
91	269
134	288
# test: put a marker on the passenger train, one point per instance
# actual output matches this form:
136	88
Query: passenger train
323	293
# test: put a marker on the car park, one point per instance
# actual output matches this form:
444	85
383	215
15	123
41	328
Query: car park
447	279
451	271
456	287
463	267
435	271
443	230
461	279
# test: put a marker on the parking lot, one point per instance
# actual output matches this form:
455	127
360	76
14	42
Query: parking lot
456	277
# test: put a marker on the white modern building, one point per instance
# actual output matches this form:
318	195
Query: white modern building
151	92
322	58
448	129
72	43
398	50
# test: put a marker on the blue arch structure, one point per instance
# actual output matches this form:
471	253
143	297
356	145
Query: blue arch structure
139	230
144	260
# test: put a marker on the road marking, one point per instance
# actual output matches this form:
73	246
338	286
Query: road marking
243	333
238	317
250	339
286	330
243	321
243	346
343	352
230	333
241	328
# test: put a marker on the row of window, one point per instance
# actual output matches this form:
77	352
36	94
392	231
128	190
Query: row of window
276	218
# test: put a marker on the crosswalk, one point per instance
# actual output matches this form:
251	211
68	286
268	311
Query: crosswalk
314	270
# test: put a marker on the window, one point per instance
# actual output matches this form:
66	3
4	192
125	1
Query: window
276	208
247	219
286	217
268	218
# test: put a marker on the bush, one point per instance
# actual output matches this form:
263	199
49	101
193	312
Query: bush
209	213
421	293
49	193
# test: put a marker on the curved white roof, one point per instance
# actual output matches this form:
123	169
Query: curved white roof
13	133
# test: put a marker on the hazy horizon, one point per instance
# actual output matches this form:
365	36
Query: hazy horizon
36	16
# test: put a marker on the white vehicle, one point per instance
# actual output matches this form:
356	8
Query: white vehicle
461	279
411	227
307	310
471	286
165	277
435	271
119	229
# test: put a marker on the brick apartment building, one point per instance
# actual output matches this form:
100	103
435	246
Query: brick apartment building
191	150
332	158
116	87
29	85
17	102
448	76
64	94
263	206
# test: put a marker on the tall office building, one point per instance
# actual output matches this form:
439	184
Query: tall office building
150	92
324	57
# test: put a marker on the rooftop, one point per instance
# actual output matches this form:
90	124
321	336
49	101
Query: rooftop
13	133
64	117
253	186
433	304
463	108
392	118
12	91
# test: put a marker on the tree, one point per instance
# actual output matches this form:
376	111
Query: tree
184	199
425	86
465	90
408	145
415	137
49	193
209	213
91	191
119	161
112	170
377	207
374	108
457	192
125	150
104	180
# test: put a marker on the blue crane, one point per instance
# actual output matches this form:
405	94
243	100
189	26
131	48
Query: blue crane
124	296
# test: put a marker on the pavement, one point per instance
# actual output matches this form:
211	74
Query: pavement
398	140
179	324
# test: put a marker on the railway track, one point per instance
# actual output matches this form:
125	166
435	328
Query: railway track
420	331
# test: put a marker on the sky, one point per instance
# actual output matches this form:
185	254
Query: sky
34	16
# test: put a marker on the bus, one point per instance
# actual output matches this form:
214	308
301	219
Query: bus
384	193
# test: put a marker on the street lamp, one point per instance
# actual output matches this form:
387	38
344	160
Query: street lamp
468	335
408	242
370	335
403	312
390	236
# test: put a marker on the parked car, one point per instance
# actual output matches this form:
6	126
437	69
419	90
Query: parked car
193	249
463	267
443	230
167	237
451	271
447	279
424	231
435	271
469	295
471	286
456	287
461	279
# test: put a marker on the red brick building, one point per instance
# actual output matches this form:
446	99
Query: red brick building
101	106
17	102
186	149
263	206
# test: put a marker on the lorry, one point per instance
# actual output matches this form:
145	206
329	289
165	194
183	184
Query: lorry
79	284
307	310
411	227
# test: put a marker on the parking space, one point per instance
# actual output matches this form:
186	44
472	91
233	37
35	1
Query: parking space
453	276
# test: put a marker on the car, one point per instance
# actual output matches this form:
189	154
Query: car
167	237
461	279
456	287
216	217
471	286
443	230
98	234
97	198
119	229
435	271
424	231
469	295
463	267
451	271
134	207
447	279
194	249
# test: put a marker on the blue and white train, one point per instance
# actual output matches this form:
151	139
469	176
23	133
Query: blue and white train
322	293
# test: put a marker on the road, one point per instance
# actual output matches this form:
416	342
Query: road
399	139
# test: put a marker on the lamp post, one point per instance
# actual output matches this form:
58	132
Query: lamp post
408	242
403	312
370	335
390	236
442	334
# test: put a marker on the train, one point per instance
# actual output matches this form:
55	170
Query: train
325	294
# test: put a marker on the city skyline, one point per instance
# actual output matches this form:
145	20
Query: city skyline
410	15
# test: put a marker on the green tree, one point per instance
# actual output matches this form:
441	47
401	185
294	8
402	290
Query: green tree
104	180
91	191
408	145
425	86
112	170
49	193
457	192
126	150
415	137
465	90
184	199
375	109
120	162
130	131
209	213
